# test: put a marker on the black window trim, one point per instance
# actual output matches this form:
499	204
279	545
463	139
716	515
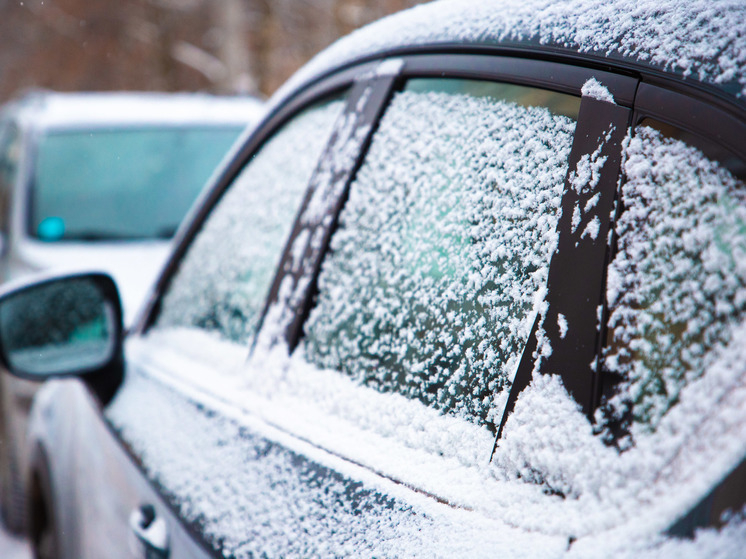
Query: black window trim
577	296
689	113
373	93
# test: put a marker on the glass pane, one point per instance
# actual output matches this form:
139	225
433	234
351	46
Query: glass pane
225	276
677	286
431	284
122	184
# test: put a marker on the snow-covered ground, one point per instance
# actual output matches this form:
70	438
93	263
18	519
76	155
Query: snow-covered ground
12	547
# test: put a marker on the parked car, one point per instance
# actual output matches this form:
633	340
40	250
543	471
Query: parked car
103	180
475	286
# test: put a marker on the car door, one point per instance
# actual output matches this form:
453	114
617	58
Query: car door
403	304
88	497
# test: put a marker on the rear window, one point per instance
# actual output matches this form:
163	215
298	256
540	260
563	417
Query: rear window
120	184
677	286
442	250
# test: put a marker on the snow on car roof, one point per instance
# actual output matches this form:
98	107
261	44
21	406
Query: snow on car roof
701	40
68	110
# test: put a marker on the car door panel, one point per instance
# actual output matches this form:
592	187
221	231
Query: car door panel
253	488
91	473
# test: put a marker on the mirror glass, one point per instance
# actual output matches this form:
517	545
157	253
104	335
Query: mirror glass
61	327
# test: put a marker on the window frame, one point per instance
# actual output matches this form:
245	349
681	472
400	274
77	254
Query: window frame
553	76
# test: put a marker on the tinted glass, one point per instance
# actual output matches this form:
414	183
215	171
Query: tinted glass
444	244
677	286
224	278
121	184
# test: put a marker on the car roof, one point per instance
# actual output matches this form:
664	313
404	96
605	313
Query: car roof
702	42
51	110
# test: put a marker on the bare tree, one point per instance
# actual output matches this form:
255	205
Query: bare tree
225	46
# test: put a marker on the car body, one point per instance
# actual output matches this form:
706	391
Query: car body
99	180
474	287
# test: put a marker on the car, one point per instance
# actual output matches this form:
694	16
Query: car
98	179
475	286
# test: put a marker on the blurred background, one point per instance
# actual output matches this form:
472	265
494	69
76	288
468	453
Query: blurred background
216	46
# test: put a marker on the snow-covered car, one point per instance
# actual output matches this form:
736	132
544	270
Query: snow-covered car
474	287
98	180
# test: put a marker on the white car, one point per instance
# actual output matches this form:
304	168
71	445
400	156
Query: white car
99	180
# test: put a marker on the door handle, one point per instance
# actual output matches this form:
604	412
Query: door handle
149	533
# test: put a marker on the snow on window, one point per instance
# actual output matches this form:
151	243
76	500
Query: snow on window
223	280
644	490
677	287
442	247
328	185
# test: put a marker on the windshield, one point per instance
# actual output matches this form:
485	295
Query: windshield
121	184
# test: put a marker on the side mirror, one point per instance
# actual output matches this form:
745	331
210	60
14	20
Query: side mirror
70	325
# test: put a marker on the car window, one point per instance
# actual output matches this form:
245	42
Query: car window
223	279
121	183
677	285
442	249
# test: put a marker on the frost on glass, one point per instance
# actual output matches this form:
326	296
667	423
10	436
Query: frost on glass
677	286
327	186
442	248
223	280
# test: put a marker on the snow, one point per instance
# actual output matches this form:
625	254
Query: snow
596	90
611	502
677	286
407	297
223	280
255	490
562	323
584	178
86	110
390	67
708	45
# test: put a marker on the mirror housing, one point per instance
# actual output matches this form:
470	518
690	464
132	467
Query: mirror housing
62	326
